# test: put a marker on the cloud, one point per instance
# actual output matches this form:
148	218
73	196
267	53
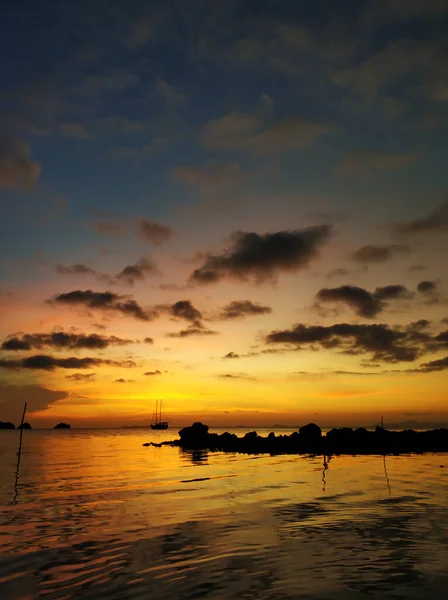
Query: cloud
191	331
62	340
183	309
393	292
17	169
129	275
121	380
427	287
367	164
383	343
231	355
103	301
148	340
49	363
74	130
359	299
78	377
379	254
38	398
238	131
152	373
242	308
435	365
137	271
436	221
363	302
261	257
236	376
429	290
154	233
210	176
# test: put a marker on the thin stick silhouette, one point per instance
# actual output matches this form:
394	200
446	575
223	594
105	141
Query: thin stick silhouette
19	454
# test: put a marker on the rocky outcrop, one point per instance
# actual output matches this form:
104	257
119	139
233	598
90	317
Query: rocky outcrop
62	426
309	440
6	425
24	426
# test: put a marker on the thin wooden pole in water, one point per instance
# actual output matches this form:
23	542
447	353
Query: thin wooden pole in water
19	453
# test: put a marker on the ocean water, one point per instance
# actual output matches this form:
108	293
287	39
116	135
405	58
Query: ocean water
93	514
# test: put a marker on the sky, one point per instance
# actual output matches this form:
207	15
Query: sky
239	208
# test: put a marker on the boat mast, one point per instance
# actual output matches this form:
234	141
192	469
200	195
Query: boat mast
160	410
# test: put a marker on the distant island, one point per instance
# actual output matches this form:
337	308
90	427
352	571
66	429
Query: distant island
7	425
62	426
309	440
24	426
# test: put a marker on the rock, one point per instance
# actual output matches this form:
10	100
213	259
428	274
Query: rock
62	426
194	437
6	425
24	426
310	431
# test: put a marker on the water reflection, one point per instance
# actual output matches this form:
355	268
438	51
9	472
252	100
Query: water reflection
99	516
386	477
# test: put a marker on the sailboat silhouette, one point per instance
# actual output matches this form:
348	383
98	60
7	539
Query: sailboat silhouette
157	420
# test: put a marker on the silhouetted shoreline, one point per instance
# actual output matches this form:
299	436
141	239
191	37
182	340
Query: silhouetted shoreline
309	440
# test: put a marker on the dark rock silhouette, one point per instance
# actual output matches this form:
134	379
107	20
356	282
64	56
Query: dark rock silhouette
24	426
7	425
62	426
309	440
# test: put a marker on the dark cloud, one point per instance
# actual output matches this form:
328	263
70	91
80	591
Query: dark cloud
154	233
379	254
383	343
81	377
435	365
393	292
104	301
152	373
444	321
193	330
435	221
231	355
49	363
137	271
183	309
148	340
442	337
129	275
427	287
363	302
61	340
38	398
121	380
17	170
261	257
242	308
360	300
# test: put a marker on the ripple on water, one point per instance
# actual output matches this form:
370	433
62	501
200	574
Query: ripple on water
97	516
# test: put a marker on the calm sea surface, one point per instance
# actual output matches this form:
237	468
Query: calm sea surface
93	514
